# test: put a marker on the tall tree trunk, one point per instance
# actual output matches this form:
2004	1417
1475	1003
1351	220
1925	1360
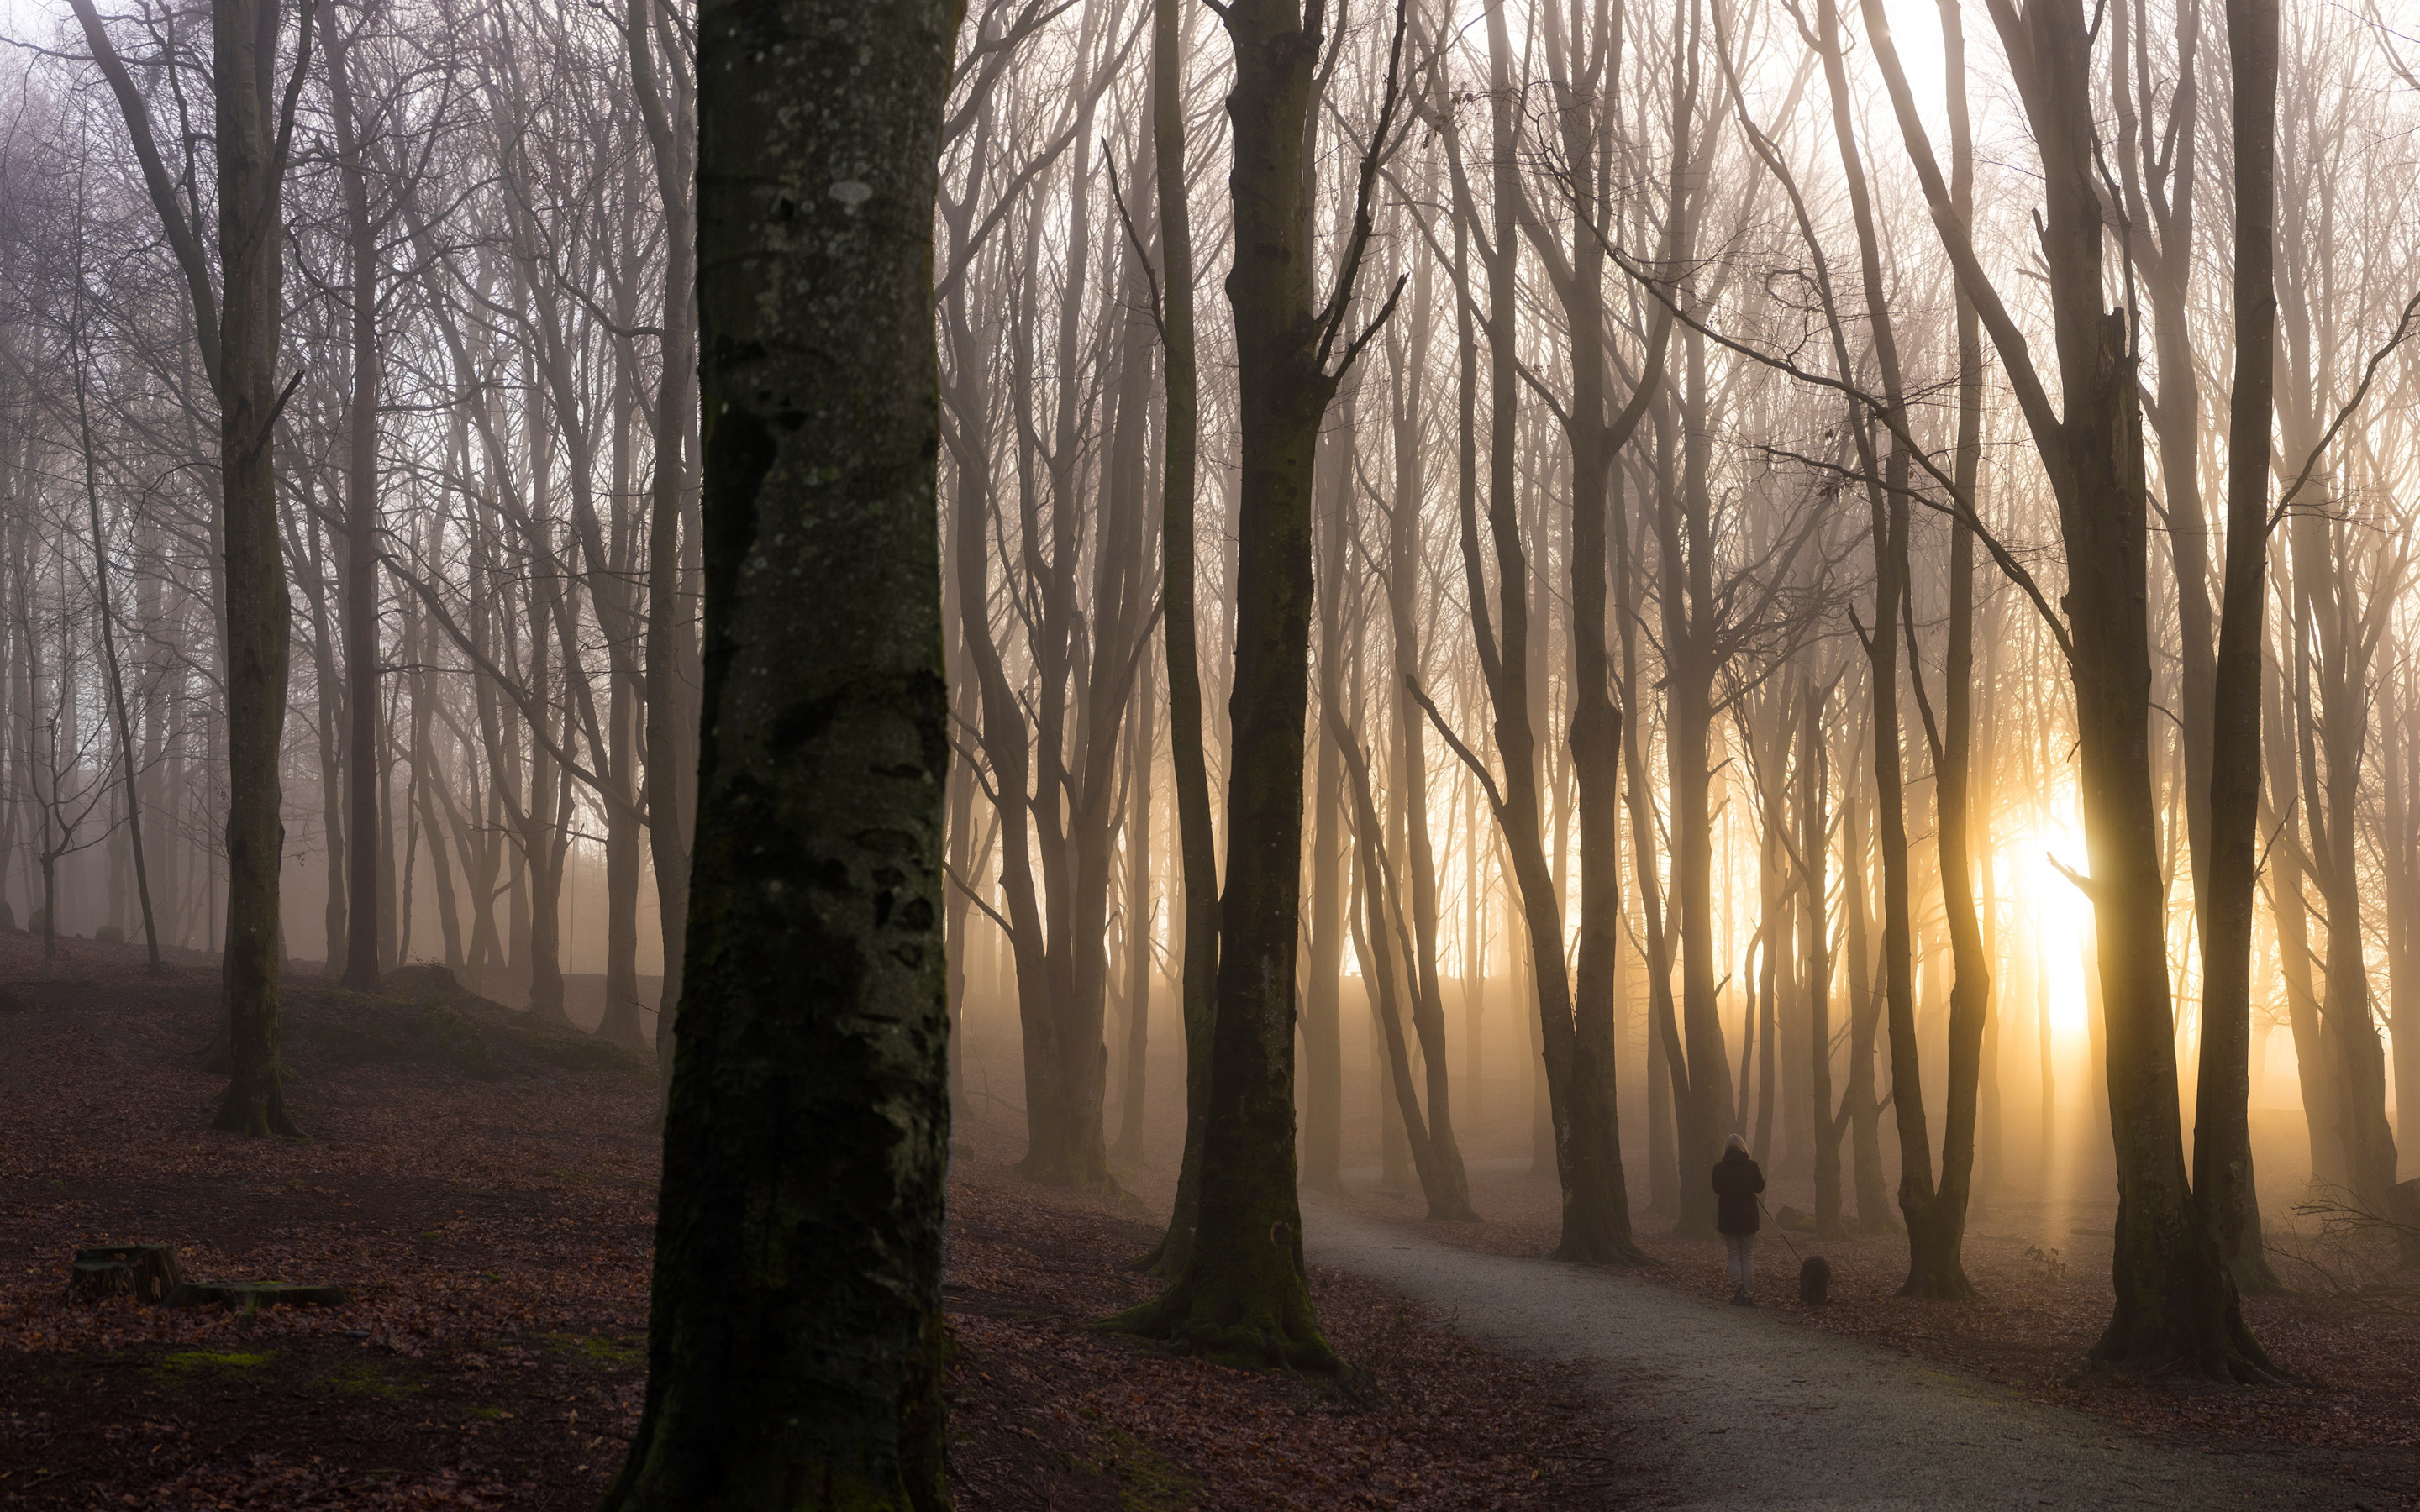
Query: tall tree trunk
1860	1107
2222	1155
1322	1047
2290	913
1934	1264
1408	361
2157	171
359	579
1382	939
1007	746
672	670
1704	1097
2339	727
816	1047
329	732
2175	1300
1596	438
1188	765
430	777
1814	832
1136	931
122	728
2397	774
252	141
1937	1228
1581	1135
1663	1074
1243	1291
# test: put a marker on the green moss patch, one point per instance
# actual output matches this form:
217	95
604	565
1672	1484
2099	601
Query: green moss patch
1147	1481
202	1364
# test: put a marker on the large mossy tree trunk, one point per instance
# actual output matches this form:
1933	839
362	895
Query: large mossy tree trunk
795	1342
252	151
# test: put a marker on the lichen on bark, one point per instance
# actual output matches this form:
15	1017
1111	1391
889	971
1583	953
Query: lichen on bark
795	1345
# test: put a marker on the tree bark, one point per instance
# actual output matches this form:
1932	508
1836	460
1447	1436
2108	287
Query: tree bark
1933	1266
2222	1155
800	1344
1596	439
1242	1292
1323	1045
2175	1300
359	579
1814	946
1188	765
672	670
1860	1107
123	727
252	140
1135	931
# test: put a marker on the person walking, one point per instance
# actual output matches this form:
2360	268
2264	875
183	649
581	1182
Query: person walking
1737	1182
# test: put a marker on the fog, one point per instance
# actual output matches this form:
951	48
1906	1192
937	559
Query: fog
1735	703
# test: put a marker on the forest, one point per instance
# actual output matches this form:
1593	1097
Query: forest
1068	753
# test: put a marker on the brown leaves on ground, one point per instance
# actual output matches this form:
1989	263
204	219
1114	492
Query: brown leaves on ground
494	1235
492	1218
1049	1412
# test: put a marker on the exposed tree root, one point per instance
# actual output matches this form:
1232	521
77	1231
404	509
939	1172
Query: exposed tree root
1212	1322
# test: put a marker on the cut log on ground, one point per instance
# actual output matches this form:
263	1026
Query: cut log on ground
250	1296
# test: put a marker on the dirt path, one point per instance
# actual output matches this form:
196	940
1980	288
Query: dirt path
1733	1407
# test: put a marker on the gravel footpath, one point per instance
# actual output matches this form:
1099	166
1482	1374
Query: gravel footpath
1732	1408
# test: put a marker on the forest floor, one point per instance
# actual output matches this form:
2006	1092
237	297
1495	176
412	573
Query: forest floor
486	1195
2349	1336
1051	1414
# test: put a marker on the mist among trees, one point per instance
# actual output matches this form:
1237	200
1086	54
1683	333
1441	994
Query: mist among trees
1520	590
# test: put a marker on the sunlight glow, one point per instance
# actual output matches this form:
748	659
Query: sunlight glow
2056	916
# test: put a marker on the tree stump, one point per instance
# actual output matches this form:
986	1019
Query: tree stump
250	1296
147	1272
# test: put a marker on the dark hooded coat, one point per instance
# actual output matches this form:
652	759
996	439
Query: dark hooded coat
1737	1182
